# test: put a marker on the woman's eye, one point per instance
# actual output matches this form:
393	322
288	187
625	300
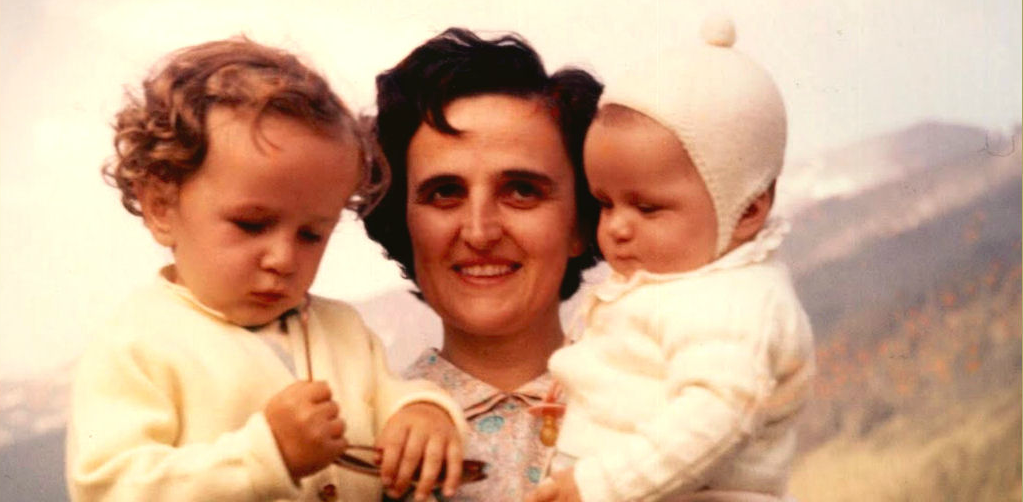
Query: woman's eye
446	195
250	227
524	193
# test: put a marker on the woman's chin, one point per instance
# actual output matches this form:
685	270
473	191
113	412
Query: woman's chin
486	318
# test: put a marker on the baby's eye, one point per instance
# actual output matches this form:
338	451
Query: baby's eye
523	194
250	227
310	236
648	208
604	203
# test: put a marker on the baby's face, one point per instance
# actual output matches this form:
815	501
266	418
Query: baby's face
656	213
249	228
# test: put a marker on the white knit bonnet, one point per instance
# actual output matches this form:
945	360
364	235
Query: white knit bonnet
727	112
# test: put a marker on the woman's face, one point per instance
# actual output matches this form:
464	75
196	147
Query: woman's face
492	215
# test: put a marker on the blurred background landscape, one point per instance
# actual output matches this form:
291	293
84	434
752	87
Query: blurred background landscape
911	276
903	182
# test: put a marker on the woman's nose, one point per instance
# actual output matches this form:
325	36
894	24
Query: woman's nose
481	229
280	255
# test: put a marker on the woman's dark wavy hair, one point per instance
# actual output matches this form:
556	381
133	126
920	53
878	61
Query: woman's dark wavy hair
456	64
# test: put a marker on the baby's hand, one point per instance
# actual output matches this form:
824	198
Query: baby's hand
307	427
420	432
560	487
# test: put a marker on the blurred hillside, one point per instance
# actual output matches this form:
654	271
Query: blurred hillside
906	252
913	287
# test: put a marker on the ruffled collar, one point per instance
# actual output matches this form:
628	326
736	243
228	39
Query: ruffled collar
756	250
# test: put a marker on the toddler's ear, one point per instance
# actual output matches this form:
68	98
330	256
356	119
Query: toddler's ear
752	220
159	209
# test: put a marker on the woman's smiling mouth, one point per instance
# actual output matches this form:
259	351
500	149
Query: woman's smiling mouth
486	270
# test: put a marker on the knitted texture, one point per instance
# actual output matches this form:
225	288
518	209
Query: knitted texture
727	112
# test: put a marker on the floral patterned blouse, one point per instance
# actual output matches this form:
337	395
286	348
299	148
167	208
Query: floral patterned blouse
501	432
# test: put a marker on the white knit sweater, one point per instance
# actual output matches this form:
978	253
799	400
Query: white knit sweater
168	400
688	382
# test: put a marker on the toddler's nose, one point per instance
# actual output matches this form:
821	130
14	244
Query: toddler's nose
280	256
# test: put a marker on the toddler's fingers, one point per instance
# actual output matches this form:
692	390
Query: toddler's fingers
316	392
433	460
326	410
411	455
453	477
335	429
391	442
337	447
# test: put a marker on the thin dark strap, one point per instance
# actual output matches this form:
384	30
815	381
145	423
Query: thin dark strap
303	320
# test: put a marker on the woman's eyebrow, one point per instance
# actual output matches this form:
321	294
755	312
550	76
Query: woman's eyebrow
424	187
531	176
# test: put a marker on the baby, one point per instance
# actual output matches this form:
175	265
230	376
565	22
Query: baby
696	354
225	379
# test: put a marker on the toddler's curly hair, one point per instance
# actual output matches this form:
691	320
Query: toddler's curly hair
161	136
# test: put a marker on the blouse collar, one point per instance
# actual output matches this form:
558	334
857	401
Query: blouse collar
472	394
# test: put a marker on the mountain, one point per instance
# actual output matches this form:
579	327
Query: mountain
33	469
846	171
913	287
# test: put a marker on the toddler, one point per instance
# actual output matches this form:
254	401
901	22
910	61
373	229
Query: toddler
696	354
225	379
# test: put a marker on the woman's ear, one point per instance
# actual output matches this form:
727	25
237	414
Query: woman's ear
158	201
752	220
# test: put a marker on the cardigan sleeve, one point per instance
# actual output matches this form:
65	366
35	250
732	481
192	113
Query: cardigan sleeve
718	376
393	393
122	434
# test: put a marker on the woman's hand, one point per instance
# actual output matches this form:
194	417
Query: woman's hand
559	487
307	427
420	435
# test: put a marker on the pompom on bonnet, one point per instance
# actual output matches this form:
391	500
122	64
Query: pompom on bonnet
726	110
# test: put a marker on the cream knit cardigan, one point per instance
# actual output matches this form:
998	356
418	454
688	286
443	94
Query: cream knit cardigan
168	400
689	381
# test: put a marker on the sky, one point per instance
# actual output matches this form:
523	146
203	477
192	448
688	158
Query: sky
848	69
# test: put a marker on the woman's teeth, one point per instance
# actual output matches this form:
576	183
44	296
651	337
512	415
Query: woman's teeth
485	270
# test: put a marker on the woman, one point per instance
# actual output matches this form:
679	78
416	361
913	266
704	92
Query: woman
489	214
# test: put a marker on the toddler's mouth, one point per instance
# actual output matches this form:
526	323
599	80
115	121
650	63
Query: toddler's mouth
269	296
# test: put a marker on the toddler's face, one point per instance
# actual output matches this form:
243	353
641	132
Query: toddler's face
249	228
656	213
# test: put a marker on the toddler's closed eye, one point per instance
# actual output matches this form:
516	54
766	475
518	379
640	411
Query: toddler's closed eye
250	227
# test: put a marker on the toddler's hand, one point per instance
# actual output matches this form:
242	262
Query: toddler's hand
420	432
560	487
307	427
